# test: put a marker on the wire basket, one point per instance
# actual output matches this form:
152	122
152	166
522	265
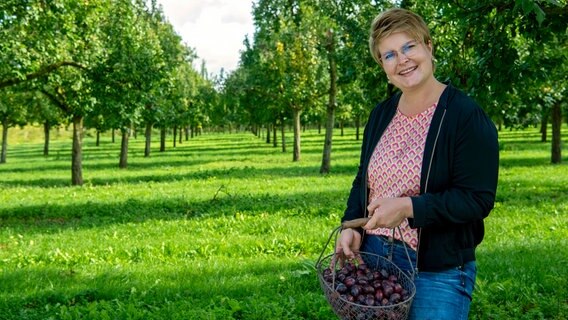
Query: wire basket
327	269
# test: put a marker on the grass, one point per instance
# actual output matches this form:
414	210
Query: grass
224	226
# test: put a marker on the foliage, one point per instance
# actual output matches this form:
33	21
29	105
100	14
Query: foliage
120	64
477	46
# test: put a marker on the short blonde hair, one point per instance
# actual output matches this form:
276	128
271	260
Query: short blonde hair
396	20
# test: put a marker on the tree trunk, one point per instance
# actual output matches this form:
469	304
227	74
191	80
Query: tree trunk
556	111
326	159
98	143
4	142
123	163
180	135
175	135
274	134
544	125
46	129
162	139
357	126
282	133
268	133
186	128
297	133
112	134
331	104
148	142
77	152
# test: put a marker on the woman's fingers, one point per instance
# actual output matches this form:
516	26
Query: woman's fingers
372	223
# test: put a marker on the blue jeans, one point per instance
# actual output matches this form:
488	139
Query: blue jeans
439	295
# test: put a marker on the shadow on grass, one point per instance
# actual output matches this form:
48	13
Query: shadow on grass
219	144
138	153
111	164
49	217
195	156
239	172
525	162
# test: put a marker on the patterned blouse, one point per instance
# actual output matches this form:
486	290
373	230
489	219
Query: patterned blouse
396	164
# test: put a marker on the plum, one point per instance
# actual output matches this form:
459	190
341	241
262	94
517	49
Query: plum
379	294
394	298
341	288
355	290
349	281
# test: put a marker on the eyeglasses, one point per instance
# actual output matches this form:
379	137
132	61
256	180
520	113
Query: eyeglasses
409	49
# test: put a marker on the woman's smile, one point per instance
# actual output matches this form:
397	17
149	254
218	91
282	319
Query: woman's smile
407	71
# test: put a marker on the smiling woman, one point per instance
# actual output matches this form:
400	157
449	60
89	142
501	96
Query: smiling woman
419	172
215	29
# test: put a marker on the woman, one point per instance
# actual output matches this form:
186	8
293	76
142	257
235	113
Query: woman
429	165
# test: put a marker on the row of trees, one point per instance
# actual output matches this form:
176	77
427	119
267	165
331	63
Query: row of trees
118	65
309	62
100	64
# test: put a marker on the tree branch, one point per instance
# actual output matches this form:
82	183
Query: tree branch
41	72
53	98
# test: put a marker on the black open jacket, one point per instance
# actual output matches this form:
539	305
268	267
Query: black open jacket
458	179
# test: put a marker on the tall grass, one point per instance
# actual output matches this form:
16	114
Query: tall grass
225	226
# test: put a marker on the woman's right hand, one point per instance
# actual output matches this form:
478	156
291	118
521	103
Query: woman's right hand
348	244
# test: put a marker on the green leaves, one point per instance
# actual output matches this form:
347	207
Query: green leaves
531	6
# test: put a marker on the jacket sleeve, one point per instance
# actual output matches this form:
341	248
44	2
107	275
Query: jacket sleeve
465	179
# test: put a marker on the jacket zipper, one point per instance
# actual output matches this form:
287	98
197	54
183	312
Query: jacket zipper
426	184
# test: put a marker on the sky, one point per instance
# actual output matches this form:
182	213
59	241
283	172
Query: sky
215	29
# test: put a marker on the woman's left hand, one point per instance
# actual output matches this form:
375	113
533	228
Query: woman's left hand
388	212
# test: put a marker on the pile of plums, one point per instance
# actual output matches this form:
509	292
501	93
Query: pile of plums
357	283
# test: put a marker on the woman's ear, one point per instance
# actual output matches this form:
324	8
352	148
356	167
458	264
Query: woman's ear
430	47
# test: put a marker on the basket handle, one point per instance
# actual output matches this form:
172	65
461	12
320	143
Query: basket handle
355	223
335	233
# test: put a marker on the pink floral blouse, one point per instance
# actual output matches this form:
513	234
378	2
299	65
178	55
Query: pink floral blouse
396	163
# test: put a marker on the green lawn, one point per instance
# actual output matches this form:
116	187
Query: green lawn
225	226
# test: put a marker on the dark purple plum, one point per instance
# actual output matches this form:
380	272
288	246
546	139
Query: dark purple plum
349	281
368	289
355	290
395	298
341	288
397	288
379	295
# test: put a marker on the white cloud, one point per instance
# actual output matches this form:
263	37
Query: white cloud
216	29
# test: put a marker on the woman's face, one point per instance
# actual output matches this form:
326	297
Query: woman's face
406	61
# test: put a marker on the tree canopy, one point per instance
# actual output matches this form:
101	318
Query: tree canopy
119	65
